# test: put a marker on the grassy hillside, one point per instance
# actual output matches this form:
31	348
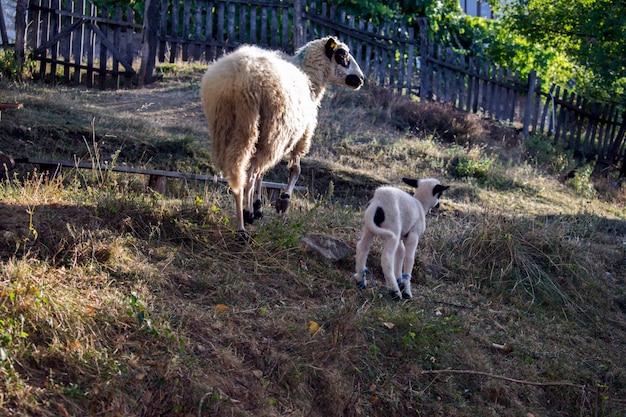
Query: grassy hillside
118	301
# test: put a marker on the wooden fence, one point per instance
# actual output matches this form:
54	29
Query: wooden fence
73	42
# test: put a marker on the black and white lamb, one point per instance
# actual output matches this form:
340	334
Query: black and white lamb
262	105
400	219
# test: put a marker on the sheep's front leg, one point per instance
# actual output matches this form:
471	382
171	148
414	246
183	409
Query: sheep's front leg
388	263
282	203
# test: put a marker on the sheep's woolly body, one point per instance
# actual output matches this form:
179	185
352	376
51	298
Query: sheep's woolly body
400	219
262	109
261	105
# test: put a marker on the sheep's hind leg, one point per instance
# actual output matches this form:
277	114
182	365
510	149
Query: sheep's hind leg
238	193
258	201
362	251
253	210
411	243
388	264
282	203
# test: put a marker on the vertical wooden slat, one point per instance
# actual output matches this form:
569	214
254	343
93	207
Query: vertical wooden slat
102	64
243	23
264	26
174	31
580	122
185	30
77	44
230	25
285	44
65	43
210	51
591	127
275	27
410	62
537	102
219	34
115	67
253	31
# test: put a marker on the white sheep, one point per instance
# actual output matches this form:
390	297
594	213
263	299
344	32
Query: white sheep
261	105
400	219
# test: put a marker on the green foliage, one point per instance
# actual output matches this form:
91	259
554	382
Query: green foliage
11	68
589	34
581	182
543	152
467	167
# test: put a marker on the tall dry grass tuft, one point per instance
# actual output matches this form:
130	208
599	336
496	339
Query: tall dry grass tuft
543	261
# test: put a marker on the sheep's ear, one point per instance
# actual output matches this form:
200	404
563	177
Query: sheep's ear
440	189
331	44
410	181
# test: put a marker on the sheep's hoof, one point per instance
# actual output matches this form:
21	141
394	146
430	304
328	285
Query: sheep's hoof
258	211
282	203
248	217
243	236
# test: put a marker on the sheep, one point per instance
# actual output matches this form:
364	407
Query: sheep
399	218
261	105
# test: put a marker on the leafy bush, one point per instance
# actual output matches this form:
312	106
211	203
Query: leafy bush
466	167
543	152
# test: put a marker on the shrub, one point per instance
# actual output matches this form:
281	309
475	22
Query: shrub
442	121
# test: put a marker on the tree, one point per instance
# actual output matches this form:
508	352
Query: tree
591	34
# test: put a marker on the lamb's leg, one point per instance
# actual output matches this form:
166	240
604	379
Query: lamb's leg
399	260
409	260
282	203
362	250
388	264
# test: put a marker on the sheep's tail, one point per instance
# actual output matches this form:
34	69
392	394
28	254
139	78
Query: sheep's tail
372	222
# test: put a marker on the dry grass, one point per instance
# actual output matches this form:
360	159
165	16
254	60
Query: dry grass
118	301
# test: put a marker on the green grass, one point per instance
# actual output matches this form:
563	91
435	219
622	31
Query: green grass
115	300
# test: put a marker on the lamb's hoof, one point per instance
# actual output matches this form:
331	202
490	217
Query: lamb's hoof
406	292
258	210
282	203
396	295
248	217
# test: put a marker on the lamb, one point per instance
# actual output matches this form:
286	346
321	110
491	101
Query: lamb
261	105
400	219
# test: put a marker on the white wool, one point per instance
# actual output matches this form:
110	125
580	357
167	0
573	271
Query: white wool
400	219
262	106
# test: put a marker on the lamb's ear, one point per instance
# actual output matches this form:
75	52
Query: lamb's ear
410	181
440	189
331	45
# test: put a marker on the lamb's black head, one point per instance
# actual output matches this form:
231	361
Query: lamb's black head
344	68
428	191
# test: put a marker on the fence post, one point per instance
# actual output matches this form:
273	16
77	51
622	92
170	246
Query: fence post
528	108
426	69
298	25
149	42
21	12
